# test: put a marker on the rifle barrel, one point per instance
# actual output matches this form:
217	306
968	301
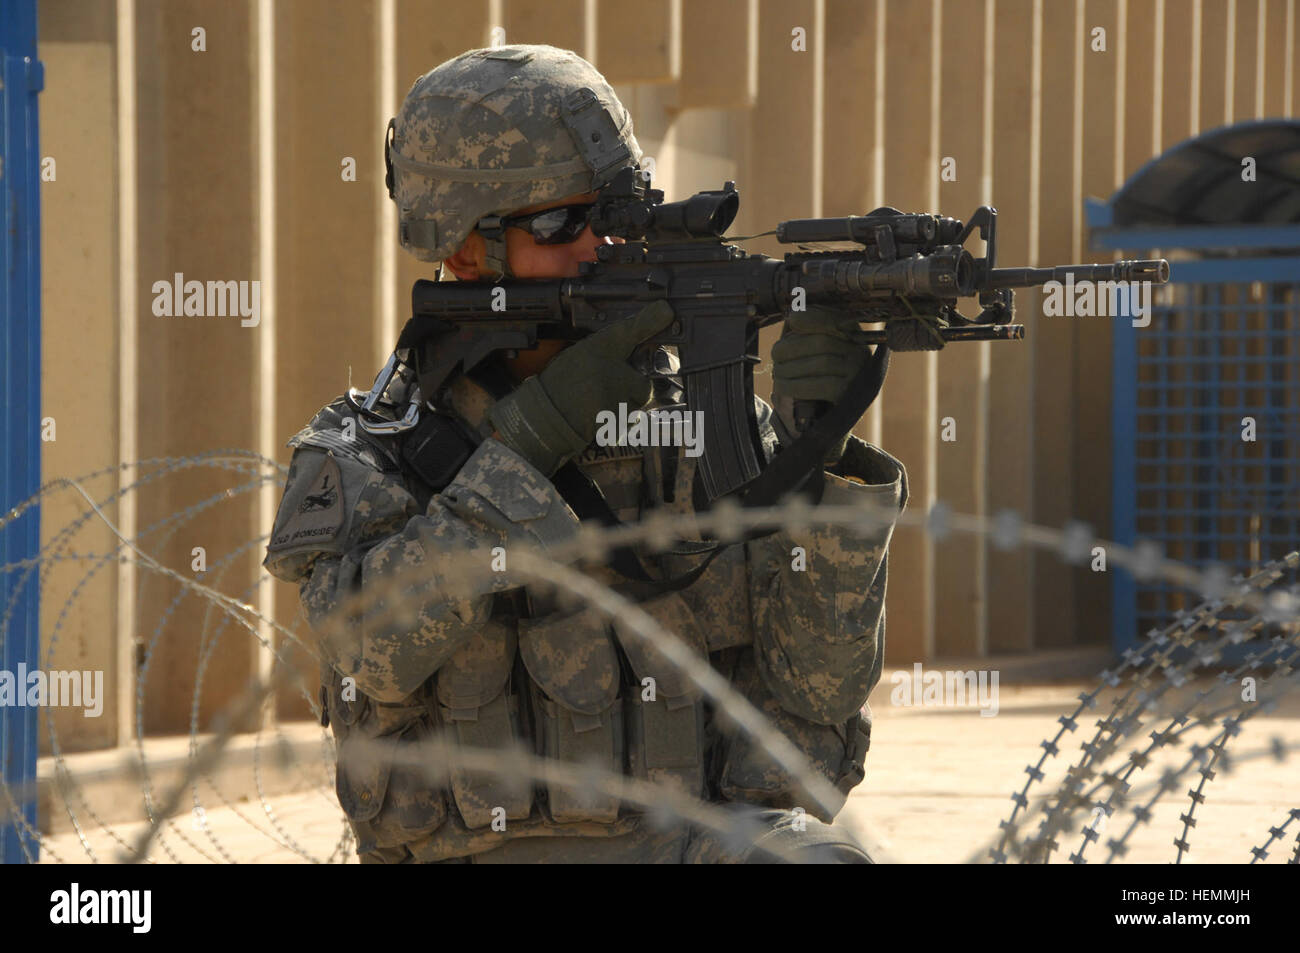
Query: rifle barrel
1155	270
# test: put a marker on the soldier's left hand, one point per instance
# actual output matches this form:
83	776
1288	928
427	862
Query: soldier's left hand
819	352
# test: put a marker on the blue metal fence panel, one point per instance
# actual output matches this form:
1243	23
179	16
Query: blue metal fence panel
1231	270
20	385
1214	354
1197	237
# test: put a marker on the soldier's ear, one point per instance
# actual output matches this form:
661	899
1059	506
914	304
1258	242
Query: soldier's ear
467	262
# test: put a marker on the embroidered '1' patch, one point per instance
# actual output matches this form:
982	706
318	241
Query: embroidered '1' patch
318	515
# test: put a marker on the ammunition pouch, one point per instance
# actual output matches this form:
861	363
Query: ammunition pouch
387	783
480	710
579	718
665	716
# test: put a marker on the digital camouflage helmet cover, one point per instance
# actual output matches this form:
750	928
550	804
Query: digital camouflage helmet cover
495	130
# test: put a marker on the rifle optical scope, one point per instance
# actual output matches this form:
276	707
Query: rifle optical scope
628	209
703	215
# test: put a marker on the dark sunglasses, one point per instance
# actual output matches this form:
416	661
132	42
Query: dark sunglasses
553	226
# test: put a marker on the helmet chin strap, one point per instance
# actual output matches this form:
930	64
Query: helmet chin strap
497	260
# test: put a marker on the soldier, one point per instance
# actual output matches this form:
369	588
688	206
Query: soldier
492	181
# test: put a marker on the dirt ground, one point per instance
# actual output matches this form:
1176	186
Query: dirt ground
939	779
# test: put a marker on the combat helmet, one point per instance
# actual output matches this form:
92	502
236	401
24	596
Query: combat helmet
495	130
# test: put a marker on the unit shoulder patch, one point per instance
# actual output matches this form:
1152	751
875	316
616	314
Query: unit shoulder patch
314	517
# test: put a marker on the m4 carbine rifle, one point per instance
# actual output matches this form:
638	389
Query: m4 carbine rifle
900	265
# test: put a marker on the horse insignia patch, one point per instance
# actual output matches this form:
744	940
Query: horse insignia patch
316	515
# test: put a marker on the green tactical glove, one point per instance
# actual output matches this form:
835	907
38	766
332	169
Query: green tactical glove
551	417
819	352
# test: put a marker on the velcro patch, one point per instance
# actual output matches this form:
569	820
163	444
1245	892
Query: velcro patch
315	516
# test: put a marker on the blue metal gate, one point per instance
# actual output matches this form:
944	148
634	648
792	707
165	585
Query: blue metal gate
20	382
1206	411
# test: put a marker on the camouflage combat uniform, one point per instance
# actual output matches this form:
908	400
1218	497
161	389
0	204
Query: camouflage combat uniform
803	645
502	667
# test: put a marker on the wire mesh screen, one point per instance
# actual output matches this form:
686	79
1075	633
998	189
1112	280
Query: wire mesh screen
1216	441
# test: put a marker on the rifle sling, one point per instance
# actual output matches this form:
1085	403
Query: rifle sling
585	499
789	470
800	464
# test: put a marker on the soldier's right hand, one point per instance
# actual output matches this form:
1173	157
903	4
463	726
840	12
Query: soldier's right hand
551	417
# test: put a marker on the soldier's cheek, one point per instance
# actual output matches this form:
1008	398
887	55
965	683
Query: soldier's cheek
529	260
